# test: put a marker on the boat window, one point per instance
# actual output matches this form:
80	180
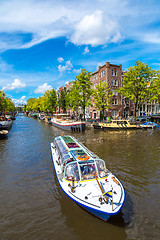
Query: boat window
79	154
71	171
66	158
61	148
88	171
102	170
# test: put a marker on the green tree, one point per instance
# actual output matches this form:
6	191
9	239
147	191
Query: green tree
84	85
42	104
63	101
9	105
50	100
73	98
102	97
2	97
135	84
6	104
154	88
30	104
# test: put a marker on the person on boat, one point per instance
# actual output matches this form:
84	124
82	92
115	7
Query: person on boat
88	170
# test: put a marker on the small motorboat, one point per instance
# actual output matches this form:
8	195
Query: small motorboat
5	124
85	179
3	134
149	125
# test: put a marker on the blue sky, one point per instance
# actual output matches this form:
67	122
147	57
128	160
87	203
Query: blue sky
44	44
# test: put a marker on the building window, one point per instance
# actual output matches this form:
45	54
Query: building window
115	93
114	82
115	101
99	75
114	72
114	113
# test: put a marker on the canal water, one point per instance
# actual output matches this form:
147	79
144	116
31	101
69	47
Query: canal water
33	207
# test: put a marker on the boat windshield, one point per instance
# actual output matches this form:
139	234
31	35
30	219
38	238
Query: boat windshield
71	172
88	171
101	167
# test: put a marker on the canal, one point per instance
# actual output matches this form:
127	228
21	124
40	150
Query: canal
32	205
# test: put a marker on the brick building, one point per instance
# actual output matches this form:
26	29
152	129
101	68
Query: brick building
112	75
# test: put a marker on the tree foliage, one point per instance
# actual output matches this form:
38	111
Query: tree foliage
6	104
74	98
154	88
135	83
30	104
63	99
102	97
50	100
84	86
46	103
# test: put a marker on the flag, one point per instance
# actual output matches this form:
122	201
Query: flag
108	194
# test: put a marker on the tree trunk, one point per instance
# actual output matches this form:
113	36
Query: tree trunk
84	113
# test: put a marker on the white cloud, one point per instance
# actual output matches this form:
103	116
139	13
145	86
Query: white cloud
77	70
60	59
67	67
96	29
86	50
15	85
43	88
21	101
96	23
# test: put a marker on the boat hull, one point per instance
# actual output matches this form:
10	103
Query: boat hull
113	128
3	134
79	127
5	125
102	216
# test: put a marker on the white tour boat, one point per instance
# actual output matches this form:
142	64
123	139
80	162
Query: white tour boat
85	179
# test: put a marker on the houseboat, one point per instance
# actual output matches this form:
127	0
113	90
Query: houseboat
64	121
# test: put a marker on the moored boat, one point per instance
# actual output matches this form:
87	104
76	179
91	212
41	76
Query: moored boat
3	134
5	124
118	124
64	122
84	178
149	125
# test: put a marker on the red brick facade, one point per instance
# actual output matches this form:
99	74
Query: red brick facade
112	75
